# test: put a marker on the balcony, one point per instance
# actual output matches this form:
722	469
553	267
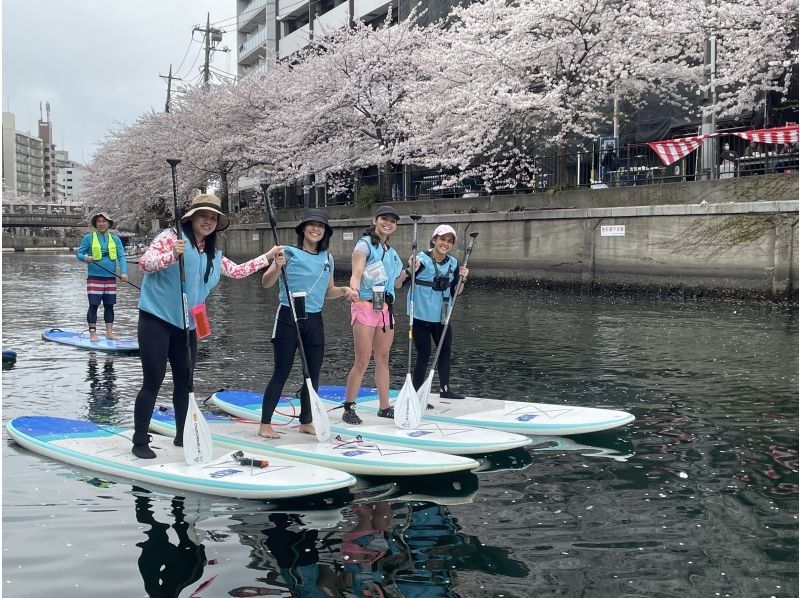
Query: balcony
332	20
293	42
368	9
253	48
251	17
289	8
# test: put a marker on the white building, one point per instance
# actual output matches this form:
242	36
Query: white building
23	160
279	28
71	177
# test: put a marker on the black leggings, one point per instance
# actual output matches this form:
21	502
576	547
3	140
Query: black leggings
159	342
284	344
423	333
108	313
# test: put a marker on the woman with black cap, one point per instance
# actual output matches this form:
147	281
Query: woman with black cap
161	327
102	250
309	270
377	271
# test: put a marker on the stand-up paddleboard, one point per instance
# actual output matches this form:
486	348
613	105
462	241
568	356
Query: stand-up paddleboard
107	449
454	439
533	419
352	454
81	340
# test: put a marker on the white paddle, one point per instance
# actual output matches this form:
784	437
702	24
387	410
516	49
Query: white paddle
407	413
197	447
319	415
425	390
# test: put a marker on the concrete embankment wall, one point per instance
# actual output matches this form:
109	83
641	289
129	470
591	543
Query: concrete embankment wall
734	236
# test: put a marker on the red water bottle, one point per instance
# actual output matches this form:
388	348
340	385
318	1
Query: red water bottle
202	325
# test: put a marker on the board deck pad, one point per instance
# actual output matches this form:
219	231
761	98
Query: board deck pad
353	454
107	449
452	438
81	340
521	417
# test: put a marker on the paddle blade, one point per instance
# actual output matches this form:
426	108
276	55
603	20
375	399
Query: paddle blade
319	415
424	392
407	413
196	435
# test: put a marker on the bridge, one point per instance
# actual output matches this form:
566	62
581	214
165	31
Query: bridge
43	215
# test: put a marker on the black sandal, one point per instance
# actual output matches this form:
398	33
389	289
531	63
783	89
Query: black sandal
388	412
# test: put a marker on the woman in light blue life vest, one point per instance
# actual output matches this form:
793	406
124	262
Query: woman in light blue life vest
309	270
435	286
377	272
103	251
162	338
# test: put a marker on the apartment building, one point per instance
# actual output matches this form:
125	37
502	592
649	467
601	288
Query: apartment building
71	176
279	28
23	160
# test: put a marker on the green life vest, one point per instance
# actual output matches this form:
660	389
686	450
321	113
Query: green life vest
97	252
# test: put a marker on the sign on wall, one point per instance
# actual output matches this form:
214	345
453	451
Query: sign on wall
612	230
347	236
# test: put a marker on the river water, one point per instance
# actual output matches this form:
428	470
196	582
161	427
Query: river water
697	497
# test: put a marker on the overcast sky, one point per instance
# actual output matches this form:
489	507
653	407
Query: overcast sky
98	61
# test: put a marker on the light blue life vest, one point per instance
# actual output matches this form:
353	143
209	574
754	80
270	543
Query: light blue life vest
427	301
309	272
391	262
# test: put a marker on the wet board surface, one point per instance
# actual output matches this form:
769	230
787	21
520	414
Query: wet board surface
521	417
81	340
454	439
107	449
350	453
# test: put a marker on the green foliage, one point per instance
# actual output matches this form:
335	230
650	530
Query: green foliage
368	196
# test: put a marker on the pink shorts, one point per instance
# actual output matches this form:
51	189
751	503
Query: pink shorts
362	312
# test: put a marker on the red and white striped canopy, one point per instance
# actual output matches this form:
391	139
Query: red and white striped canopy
672	150
774	135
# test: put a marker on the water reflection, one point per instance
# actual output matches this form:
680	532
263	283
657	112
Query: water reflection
168	568
102	405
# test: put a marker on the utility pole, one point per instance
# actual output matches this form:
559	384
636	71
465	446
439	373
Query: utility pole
169	79
213	37
708	156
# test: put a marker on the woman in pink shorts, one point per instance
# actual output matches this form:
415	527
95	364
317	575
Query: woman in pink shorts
377	272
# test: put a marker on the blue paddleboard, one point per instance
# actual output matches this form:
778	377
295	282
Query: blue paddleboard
81	340
107	449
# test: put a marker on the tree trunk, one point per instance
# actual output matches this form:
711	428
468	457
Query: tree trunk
223	190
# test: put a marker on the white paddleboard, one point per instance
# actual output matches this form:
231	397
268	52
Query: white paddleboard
454	439
82	341
345	453
107	449
520	417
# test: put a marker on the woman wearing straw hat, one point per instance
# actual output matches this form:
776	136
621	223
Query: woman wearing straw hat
161	327
102	251
309	270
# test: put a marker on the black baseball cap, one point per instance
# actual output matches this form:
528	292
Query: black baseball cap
387	211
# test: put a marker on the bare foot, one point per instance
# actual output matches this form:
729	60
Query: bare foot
267	431
110	336
94	338
306	429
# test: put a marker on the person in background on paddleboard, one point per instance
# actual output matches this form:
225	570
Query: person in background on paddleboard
102	250
309	269
161	333
377	271
437	274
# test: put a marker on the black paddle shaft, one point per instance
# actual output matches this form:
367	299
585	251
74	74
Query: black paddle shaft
173	164
274	224
415	218
472	237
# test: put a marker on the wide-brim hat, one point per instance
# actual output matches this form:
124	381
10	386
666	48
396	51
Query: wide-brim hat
387	211
212	203
104	215
314	215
